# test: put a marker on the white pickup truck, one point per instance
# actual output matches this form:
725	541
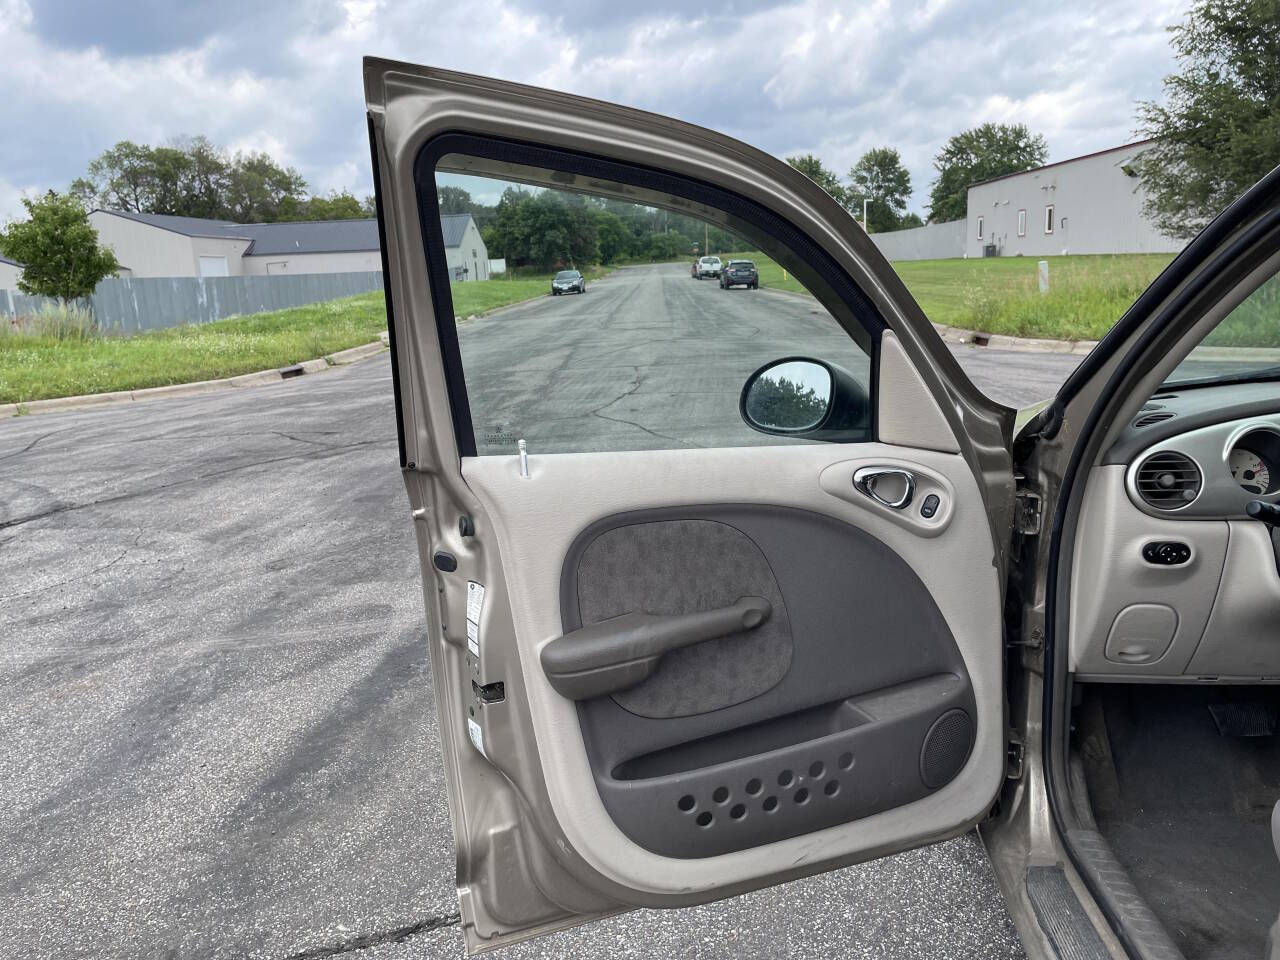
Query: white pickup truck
708	267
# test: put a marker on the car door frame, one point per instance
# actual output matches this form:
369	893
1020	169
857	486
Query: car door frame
428	442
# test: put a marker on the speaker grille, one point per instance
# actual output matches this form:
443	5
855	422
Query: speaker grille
946	748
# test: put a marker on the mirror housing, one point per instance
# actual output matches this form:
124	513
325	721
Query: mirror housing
806	398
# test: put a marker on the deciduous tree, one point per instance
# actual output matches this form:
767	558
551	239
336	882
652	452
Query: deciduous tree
880	178
1217	132
58	249
991	150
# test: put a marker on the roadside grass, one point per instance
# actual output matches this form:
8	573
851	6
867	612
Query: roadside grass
58	353
1087	294
38	365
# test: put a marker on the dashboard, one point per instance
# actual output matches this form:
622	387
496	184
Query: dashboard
1172	580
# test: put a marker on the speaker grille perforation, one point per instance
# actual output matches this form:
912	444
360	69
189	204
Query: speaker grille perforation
946	748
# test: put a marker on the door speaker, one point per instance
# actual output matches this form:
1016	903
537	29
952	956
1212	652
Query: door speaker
946	748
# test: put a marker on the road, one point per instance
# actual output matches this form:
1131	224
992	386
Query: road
219	737
650	358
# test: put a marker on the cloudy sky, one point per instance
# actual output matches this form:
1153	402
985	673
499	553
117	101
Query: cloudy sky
832	78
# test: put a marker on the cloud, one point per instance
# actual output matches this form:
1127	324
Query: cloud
831	79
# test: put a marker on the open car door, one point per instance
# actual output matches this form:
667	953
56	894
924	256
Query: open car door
713	577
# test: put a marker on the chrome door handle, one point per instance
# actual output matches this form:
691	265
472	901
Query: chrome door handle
891	487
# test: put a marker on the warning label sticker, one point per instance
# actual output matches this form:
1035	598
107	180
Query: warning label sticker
475	603
477	736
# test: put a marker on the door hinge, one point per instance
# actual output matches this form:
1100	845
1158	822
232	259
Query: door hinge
1027	520
1016	759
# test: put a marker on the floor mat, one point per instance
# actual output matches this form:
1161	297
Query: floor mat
1187	810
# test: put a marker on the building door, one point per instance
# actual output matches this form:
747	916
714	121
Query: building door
213	266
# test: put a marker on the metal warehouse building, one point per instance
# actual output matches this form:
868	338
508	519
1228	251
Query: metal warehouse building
1090	204
156	245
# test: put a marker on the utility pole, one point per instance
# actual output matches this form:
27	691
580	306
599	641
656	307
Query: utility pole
706	242
864	215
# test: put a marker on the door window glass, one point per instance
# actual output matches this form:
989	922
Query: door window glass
1244	346
624	320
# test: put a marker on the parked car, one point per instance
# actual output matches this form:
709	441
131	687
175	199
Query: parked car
568	281
739	273
670	676
708	267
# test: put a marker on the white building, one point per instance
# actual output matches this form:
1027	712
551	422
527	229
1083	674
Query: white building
1090	204
157	245
10	271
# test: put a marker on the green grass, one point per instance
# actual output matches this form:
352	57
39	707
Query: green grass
59	356
34	367
479	298
1087	294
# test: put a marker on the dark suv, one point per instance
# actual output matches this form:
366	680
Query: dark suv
739	272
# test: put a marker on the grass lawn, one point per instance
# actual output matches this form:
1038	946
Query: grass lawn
36	367
1087	294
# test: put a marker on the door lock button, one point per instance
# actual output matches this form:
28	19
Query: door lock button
1166	553
929	507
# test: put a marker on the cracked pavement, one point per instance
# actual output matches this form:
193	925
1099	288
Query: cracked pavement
219	734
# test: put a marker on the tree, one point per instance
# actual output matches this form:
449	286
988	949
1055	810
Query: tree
58	249
453	200
192	178
880	178
828	180
257	187
1217	135
991	150
336	206
910	220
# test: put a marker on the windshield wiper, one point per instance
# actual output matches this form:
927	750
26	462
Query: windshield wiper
1259	375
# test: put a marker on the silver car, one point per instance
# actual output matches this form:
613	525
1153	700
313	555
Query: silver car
767	594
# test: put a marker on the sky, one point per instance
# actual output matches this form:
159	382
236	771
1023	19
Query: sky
831	78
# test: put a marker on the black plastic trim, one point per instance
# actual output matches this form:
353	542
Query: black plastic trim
763	219
386	288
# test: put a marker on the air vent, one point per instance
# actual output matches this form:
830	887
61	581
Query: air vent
1147	419
1168	481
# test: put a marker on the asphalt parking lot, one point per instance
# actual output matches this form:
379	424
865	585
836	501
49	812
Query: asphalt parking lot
219	735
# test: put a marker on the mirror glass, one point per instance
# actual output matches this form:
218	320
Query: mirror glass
791	395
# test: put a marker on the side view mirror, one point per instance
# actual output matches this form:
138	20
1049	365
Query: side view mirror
802	397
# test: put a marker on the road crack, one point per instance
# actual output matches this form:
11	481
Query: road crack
366	940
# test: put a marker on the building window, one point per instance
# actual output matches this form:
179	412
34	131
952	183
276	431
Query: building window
979	228
1048	218
1022	223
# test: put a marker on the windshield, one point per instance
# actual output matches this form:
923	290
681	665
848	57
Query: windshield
741	264
566	275
710	259
1244	346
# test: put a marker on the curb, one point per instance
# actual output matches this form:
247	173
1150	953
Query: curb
341	358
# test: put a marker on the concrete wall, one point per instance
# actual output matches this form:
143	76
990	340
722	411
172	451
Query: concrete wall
129	305
1097	208
469	254
933	241
147	251
358	261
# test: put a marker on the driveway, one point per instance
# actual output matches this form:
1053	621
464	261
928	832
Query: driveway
219	735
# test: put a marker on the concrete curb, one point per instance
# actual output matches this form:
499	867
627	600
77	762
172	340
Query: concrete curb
341	358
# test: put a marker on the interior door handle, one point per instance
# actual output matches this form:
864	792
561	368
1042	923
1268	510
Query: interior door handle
615	654
892	487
